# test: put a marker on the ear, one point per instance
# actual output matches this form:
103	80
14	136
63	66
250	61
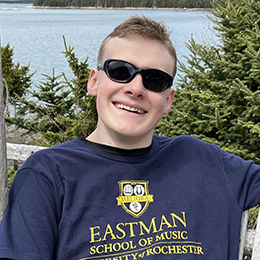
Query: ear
168	101
92	83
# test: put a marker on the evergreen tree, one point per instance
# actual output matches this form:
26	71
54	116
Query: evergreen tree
59	109
16	78
218	98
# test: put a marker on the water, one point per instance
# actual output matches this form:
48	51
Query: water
36	34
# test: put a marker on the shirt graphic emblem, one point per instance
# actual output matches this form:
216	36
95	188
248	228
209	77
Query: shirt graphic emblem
134	197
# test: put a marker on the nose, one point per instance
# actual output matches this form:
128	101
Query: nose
135	88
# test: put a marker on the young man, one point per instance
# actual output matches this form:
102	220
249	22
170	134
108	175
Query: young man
124	194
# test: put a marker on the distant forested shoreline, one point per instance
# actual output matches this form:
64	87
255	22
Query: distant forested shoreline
125	3
16	2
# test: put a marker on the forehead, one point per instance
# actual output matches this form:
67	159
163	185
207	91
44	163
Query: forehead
140	51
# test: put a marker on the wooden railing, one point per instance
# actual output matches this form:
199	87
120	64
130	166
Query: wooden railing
21	152
249	238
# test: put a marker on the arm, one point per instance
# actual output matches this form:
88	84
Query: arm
29	226
244	180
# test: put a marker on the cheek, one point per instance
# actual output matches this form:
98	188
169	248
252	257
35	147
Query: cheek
158	104
100	104
104	97
158	107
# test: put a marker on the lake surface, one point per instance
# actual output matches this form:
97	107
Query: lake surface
36	34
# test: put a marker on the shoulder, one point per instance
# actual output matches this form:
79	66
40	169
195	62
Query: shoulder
189	148
185	141
61	149
56	156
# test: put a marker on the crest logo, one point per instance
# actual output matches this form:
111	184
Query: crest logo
134	197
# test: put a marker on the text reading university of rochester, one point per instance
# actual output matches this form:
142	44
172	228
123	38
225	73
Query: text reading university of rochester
134	197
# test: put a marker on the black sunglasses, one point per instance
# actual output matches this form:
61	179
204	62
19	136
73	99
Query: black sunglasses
123	72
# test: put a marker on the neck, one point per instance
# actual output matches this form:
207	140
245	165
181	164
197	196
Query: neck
119	141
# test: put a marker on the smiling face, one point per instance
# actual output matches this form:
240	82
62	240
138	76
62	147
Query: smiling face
127	112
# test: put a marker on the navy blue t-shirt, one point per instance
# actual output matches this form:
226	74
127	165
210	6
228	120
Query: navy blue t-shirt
181	199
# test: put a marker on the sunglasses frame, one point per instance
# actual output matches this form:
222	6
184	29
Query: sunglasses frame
104	66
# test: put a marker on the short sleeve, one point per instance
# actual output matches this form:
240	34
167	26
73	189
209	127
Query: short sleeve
29	226
244	179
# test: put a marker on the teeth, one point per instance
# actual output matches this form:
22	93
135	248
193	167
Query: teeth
132	109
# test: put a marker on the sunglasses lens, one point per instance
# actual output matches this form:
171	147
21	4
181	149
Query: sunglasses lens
156	80
119	70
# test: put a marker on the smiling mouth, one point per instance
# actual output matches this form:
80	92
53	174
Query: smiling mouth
130	109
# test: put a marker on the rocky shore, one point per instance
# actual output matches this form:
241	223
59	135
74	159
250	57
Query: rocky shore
18	136
121	8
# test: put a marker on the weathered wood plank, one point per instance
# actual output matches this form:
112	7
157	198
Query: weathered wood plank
256	247
21	152
3	159
243	234
249	242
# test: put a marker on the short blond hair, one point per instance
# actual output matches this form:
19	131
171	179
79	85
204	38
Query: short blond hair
145	27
